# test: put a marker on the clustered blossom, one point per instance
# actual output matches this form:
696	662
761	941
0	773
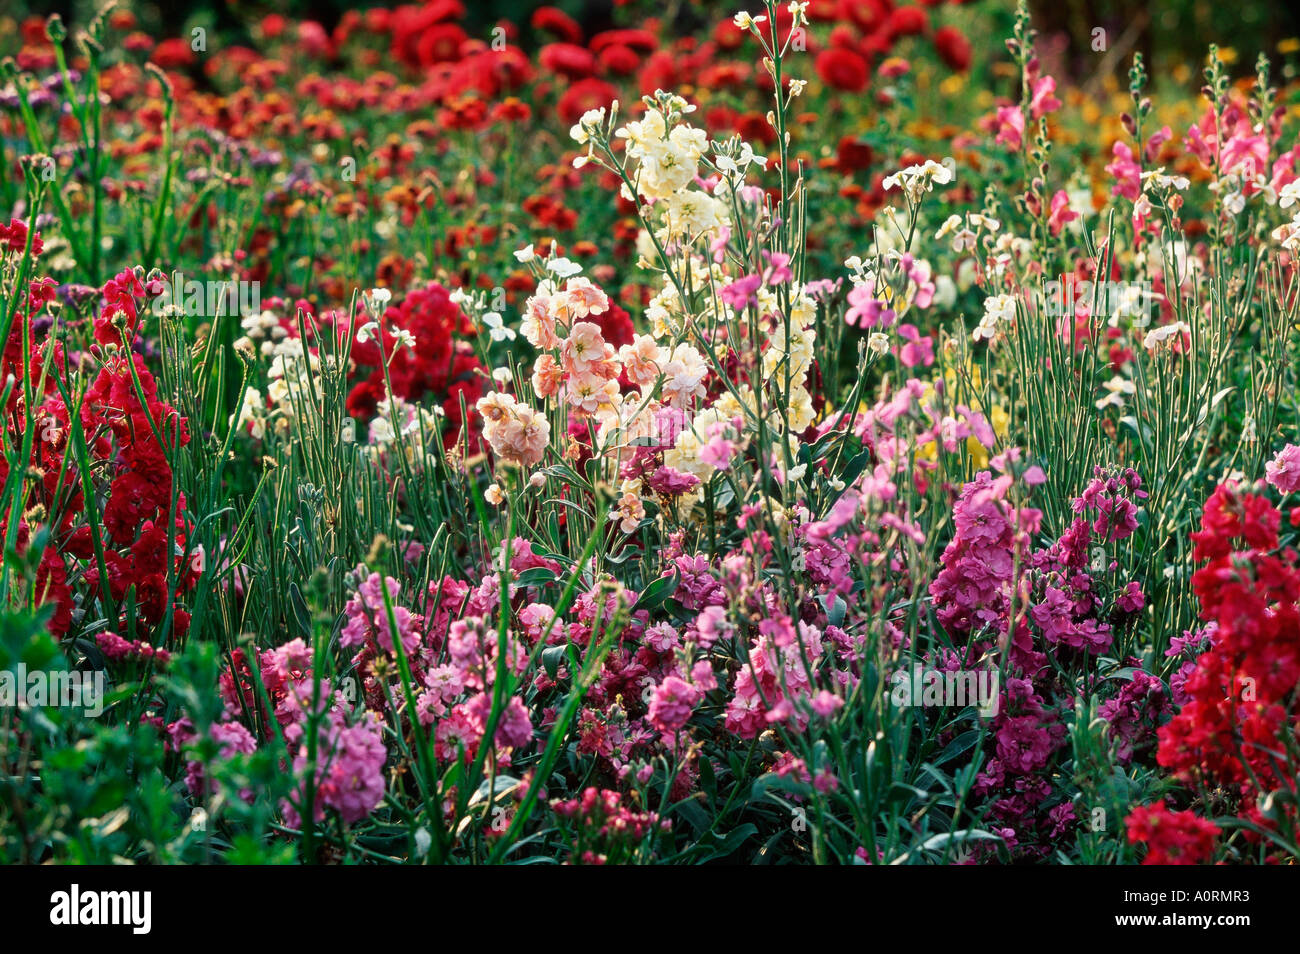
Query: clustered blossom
783	544
1170	837
131	437
515	431
1239	699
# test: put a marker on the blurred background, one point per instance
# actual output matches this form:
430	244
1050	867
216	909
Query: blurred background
1165	30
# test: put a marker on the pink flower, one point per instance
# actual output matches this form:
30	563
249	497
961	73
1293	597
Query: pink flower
671	706
1011	127
918	350
547	376
583	349
718	451
865	309
367	616
671	482
703	676
825	703
349	770
1041	101
1245	155
742	292
778	270
1127	172
662	637
514	728
1061	214
641	360
1283	471
582	298
538	326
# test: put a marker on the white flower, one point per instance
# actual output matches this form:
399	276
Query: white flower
494	495
1288	194
563	268
878	343
1116	388
367	331
501	376
381	296
917	180
1162	181
496	328
986	330
962	236
745	21
525	254
381	432
251	412
999	308
590	121
404	339
1156	335
1288	235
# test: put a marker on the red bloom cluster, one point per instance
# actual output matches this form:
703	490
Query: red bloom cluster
442	362
1172	838
130	435
1238	728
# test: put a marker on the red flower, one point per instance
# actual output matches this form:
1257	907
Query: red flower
1172	838
566	59
953	48
842	69
585	94
909	21
552	20
869	15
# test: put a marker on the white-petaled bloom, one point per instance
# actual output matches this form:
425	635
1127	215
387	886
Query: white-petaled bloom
999	308
494	495
367	331
1288	195
502	376
797	87
252	412
744	21
1164	333
798	11
963	238
1116	389
1134	300
1158	178
590	121
1288	235
380	296
525	254
563	268
404	339
915	181
878	343
497	329
986	330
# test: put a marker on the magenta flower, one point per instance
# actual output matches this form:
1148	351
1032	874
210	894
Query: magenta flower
1283	471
